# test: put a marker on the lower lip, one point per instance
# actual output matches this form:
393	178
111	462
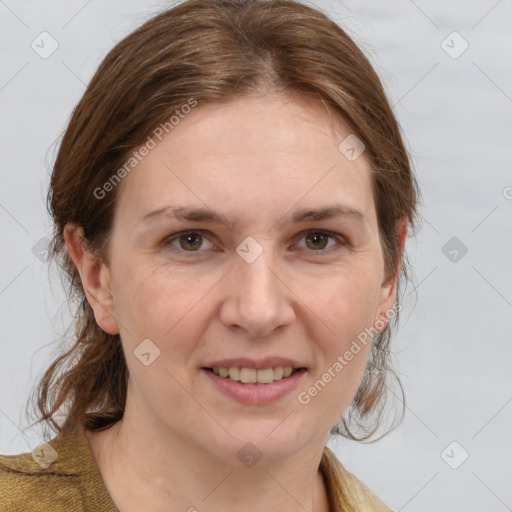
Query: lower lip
256	393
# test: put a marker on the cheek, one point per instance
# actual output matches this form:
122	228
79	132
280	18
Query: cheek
159	303
346	309
152	306
345	305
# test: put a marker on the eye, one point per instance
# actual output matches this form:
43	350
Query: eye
189	241
192	241
317	241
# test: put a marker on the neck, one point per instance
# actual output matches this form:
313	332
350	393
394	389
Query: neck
147	469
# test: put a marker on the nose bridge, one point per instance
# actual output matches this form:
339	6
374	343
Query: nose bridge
257	279
258	301
257	283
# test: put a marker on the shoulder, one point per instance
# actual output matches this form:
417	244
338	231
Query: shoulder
46	479
346	491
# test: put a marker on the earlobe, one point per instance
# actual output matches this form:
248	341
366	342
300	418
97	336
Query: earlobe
95	277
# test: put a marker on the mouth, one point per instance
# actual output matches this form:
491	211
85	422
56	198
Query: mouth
255	376
252	386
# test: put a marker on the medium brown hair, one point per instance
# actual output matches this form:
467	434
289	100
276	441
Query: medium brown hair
210	51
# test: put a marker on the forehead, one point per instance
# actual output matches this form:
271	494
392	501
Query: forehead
257	152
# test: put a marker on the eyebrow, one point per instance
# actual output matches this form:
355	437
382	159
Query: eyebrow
201	214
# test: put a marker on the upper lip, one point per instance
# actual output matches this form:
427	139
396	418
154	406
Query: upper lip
260	364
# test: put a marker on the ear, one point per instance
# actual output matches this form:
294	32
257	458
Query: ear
95	277
387	294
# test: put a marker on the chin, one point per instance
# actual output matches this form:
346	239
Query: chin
268	440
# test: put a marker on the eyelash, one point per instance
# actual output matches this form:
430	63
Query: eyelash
341	240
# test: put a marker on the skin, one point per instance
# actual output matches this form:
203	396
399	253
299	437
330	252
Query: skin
257	160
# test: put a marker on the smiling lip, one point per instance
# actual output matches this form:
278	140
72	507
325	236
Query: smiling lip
254	394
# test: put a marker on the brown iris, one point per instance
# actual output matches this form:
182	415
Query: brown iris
316	237
189	238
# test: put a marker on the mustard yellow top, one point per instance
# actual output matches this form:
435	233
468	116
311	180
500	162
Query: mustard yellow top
66	478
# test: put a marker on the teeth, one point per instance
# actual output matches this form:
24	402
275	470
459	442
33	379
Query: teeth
234	373
265	376
278	373
248	375
251	375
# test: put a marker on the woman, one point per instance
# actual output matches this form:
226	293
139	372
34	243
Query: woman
231	201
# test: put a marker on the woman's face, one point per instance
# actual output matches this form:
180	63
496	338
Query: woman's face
255	277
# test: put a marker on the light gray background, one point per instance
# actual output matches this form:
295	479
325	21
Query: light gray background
453	350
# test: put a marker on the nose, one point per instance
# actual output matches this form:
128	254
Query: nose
257	298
